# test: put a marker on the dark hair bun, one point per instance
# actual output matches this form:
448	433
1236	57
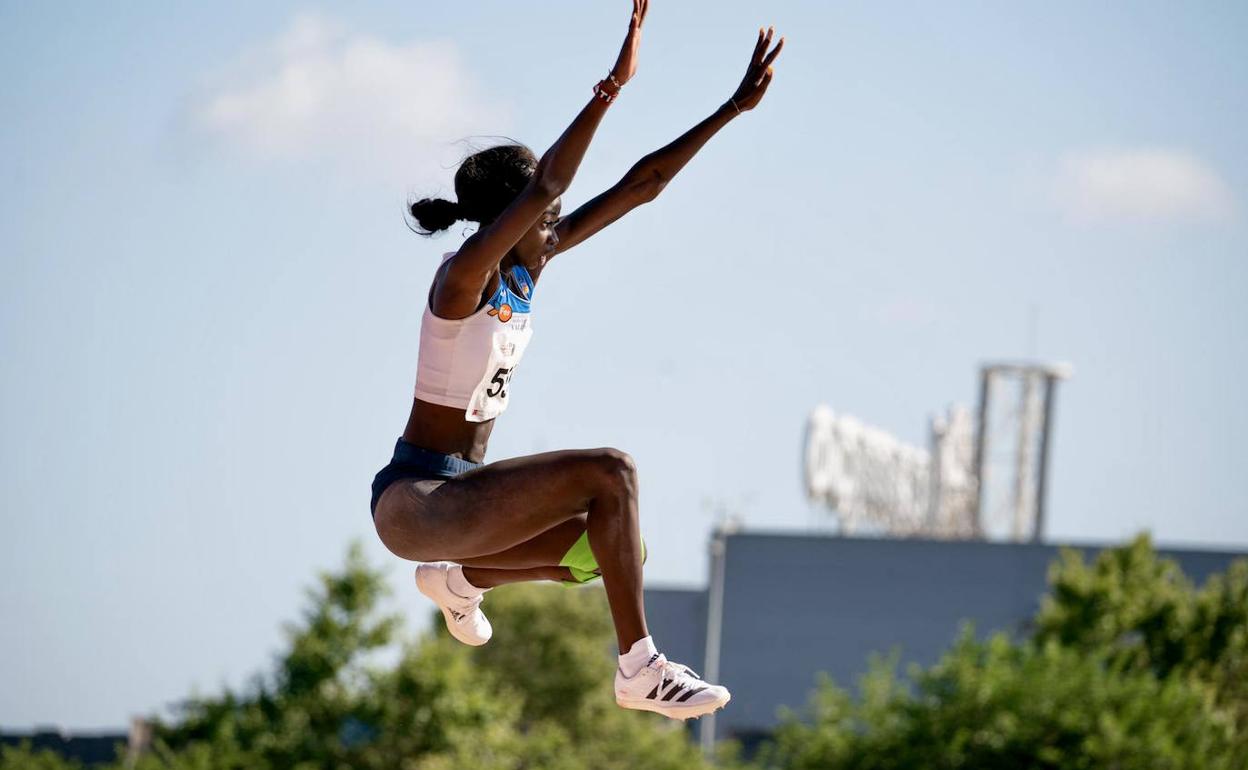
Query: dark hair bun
434	215
486	183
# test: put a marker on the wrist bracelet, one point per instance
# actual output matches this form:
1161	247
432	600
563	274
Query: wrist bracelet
618	85
733	102
603	93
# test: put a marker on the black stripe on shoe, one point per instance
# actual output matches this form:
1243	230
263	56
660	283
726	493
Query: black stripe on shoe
654	694
689	694
675	689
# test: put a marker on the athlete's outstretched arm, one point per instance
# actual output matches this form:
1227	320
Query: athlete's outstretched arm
476	260
647	178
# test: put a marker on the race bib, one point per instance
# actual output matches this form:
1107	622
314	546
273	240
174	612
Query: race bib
489	398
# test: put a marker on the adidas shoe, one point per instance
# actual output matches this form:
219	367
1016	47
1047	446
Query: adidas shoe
670	689
464	618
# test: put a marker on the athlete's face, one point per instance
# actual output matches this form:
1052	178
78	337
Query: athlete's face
540	241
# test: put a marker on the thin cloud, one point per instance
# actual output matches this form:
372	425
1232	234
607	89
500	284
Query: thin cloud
1143	185
319	92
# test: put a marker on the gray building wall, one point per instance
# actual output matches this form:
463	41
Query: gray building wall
677	621
798	604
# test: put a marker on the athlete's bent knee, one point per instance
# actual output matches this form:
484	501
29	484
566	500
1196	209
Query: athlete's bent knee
617	469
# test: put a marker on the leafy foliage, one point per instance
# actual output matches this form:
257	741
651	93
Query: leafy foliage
542	699
24	757
1130	666
995	704
1142	614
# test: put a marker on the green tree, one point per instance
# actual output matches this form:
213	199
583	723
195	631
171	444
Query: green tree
1129	603
308	712
996	704
1141	612
538	696
554	653
555	648
1220	642
23	757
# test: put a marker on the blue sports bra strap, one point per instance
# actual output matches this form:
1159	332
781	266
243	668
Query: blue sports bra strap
523	279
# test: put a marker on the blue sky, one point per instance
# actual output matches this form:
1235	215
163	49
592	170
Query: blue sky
210	304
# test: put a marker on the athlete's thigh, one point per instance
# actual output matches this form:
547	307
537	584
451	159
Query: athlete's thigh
545	549
490	509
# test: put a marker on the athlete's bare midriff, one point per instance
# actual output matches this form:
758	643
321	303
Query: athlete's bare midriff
443	429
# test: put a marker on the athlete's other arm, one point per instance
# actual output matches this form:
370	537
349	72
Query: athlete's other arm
460	289
648	176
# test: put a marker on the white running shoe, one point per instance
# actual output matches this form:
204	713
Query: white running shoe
670	689
464	618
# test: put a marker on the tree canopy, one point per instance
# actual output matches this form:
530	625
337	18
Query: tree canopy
1126	665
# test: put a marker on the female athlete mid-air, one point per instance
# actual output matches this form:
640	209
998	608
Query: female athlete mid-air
566	516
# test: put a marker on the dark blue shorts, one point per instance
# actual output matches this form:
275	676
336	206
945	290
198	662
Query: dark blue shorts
413	462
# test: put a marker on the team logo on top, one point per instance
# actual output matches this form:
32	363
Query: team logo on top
503	312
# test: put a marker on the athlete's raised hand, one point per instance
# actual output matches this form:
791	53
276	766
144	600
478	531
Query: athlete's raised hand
758	74
626	64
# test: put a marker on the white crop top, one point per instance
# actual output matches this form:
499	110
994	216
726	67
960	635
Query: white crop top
467	363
